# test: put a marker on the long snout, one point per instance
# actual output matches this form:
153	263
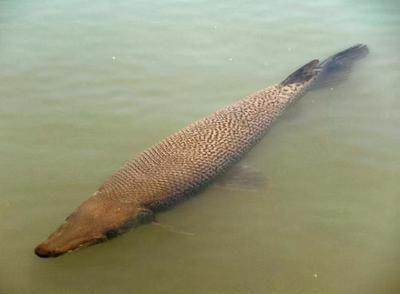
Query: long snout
67	238
42	250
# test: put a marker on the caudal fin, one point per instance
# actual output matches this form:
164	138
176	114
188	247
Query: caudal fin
331	71
335	68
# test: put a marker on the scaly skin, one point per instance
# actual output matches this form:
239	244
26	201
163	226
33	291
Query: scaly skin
188	159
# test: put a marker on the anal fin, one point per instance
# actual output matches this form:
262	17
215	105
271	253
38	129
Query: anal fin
242	177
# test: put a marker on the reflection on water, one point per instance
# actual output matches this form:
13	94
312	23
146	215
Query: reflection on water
86	86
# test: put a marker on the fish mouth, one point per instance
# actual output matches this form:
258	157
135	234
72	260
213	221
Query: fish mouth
44	250
51	249
93	222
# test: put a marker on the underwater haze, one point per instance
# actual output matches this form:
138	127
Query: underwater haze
87	85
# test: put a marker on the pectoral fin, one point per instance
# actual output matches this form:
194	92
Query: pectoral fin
145	215
171	229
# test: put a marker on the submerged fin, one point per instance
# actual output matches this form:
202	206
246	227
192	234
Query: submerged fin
242	177
330	71
171	229
335	68
145	215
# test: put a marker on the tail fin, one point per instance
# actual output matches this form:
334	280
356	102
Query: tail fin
336	67
330	71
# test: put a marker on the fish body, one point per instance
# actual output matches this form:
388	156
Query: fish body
185	161
190	158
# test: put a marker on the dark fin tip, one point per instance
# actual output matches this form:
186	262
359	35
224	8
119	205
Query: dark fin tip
303	74
334	69
346	57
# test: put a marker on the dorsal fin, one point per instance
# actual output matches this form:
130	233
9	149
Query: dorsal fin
303	74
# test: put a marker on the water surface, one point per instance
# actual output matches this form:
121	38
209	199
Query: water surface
84	86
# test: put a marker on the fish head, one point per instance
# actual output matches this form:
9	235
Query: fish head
96	220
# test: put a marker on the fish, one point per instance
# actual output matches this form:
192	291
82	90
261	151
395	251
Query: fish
185	162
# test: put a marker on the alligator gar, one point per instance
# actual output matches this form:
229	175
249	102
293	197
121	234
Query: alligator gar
184	162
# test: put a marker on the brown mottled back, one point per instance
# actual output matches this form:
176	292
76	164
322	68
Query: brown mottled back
193	156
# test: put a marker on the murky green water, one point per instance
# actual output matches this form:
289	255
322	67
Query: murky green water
86	85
